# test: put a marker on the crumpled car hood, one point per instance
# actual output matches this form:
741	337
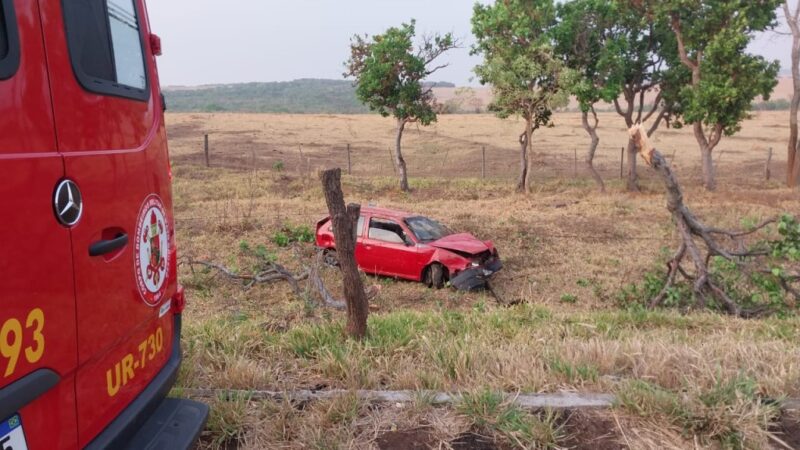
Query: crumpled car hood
461	242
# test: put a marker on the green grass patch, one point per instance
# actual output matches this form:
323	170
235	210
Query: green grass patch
491	413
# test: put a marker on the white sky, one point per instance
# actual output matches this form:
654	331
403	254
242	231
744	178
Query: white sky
214	41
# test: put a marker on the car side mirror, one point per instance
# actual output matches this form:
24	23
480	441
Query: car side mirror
407	240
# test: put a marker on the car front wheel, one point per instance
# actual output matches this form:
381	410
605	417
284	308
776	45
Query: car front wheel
435	276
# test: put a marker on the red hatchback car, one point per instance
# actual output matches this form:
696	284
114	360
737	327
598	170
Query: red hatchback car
414	247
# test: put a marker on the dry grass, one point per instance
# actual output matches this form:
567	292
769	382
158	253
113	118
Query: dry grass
683	380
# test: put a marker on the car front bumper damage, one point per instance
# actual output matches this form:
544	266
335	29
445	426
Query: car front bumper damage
476	278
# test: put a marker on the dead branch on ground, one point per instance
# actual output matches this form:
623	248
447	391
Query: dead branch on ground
273	272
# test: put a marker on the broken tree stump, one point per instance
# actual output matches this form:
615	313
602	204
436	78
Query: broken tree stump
344	221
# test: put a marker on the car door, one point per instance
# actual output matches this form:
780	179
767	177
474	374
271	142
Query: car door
37	302
110	129
385	250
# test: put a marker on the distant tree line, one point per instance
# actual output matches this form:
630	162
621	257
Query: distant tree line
292	97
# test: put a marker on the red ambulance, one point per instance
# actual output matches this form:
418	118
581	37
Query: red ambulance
90	307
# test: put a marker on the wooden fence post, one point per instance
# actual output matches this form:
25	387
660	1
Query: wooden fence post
205	147
767	170
349	165
344	234
621	161
575	168
483	162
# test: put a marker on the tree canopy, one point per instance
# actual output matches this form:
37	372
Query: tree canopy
520	64
621	53
389	72
711	41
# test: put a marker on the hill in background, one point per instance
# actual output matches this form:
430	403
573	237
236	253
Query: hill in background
291	97
314	96
298	96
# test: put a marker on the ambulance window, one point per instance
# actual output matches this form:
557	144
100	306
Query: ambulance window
105	44
3	36
9	42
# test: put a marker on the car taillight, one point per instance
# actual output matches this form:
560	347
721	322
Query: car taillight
178	300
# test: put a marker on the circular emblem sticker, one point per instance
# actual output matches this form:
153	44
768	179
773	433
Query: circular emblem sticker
151	250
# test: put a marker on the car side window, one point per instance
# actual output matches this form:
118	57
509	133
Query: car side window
386	230
360	226
106	47
9	40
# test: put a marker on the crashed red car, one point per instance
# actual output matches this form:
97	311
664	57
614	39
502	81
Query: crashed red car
413	247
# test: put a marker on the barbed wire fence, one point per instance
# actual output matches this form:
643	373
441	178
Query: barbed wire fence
473	161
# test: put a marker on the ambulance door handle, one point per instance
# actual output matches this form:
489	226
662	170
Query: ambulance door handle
108	245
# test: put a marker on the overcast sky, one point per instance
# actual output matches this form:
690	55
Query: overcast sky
213	41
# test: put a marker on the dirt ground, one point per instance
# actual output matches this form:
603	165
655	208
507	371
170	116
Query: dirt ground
568	252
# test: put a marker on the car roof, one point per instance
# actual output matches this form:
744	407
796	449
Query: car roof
385	212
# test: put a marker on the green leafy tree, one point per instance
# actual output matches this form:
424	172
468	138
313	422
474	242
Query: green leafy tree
582	41
527	78
389	73
711	41
621	54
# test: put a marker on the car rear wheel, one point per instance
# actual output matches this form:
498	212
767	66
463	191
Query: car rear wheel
330	257
435	276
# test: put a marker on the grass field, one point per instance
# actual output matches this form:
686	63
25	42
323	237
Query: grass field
696	380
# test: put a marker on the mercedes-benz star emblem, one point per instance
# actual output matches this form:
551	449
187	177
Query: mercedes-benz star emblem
68	204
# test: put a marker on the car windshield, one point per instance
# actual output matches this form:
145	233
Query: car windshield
426	229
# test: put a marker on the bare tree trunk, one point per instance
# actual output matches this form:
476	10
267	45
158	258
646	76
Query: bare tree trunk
595	141
523	162
627	114
529	172
529	151
398	156
793	158
791	180
344	223
709	180
633	177
706	149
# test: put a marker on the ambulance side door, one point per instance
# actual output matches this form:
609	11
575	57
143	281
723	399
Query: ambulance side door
109	121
